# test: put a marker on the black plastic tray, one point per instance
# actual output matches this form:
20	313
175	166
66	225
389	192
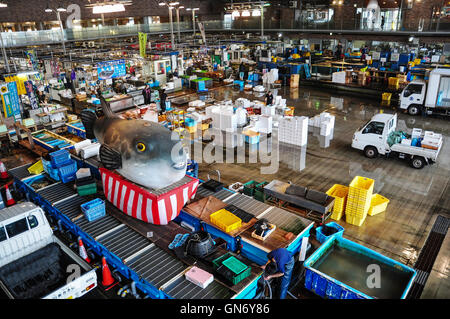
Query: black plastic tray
213	185
243	215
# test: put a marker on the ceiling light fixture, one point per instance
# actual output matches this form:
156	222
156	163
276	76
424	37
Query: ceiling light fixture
245	13
108	8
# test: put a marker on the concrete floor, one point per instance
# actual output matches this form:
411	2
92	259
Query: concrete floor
416	196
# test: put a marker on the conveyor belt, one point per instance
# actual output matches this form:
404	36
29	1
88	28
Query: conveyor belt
156	266
286	220
71	207
184	180
184	289
222	194
248	204
124	242
57	192
428	255
97	227
20	172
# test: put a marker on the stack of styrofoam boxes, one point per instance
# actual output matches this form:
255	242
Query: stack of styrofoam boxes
264	124
228	119
293	130
339	77
241	116
241	102
268	110
326	124
431	140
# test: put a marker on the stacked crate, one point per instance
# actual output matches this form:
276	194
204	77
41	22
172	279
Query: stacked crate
358	200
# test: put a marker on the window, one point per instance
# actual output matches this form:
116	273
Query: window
413	89
2	234
32	221
374	128
17	227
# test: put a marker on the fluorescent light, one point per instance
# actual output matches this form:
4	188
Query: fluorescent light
245	13
108	8
162	4
256	13
61	9
174	3
3	5
48	10
235	14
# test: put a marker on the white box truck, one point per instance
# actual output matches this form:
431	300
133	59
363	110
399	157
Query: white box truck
372	138
34	263
434	96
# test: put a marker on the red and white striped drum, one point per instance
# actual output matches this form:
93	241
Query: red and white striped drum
154	207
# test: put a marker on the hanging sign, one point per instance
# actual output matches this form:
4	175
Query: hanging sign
111	69
10	99
142	43
30	92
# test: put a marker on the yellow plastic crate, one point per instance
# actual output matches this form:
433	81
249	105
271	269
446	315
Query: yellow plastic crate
225	220
361	186
191	129
417	61
353	220
386	96
339	192
378	204
36	168
203	126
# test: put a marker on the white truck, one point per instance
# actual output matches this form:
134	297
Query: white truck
372	138
418	96
34	263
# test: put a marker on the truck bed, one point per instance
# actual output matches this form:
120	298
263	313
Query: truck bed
418	151
37	274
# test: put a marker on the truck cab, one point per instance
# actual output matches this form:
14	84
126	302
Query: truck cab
372	136
413	97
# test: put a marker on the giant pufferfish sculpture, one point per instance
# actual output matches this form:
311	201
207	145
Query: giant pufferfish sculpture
143	152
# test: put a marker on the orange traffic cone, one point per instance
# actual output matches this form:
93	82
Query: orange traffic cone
9	199
3	172
83	252
107	280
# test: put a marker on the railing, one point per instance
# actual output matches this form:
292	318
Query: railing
18	39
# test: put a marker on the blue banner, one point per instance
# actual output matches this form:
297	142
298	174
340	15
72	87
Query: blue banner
10	99
111	69
30	92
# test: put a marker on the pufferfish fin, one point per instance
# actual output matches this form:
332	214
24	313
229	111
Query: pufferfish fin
88	118
110	158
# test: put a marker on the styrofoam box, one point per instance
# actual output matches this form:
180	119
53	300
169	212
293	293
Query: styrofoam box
83	172
406	141
199	277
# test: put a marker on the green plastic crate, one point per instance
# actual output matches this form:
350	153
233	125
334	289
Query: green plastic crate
235	264
87	189
249	188
259	192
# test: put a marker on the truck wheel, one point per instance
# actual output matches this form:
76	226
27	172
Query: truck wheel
417	162
370	152
414	110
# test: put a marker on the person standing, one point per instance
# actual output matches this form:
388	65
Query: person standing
269	98
146	96
285	264
163	98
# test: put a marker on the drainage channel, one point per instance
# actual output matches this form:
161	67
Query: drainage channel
428	255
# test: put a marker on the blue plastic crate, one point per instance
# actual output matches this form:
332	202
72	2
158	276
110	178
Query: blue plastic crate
67	173
53	173
94	209
59	158
322	237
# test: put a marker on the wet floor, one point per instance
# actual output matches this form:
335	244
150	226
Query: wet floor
416	196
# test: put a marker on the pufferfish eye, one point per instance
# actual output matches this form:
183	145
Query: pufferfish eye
140	147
